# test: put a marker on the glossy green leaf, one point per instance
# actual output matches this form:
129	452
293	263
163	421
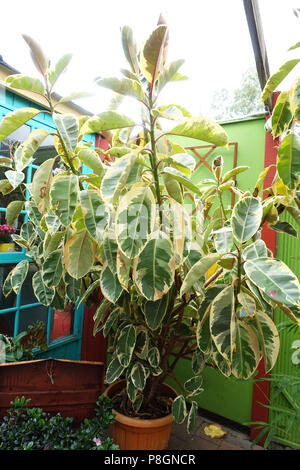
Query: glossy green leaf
123	86
152	53
40	187
255	250
23	82
14	177
63	195
156	311
91	159
25	152
168	72
101	311
79	254
268	337
15	119
114	370
183	162
72	287
223	323
135	219
288	163
141	349
246	218
18	275
277	78
138	376
116	176
233	172
125	345
13	211
173	188
154	357
246	358
223	239
55	71
53	269
282	115
68	128
182	179
294	98
94	285
52	242
192	417
198	270
112	318
201	128
179	409
44	294
39	58
124	265
130	48
110	285
194	385
153	269
248	305
275	279
108	120
77	95
95	213
284	227
198	362
181	227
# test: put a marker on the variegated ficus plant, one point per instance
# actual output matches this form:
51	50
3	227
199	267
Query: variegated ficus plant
178	281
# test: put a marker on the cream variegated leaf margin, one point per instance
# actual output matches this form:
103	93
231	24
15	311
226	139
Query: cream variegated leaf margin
44	294
40	187
125	345
152	53
198	270
247	354
268	336
123	269
116	176
110	285
135	219
275	279
79	254
154	268
246	218
156	311
182	231
63	196
222	322
257	249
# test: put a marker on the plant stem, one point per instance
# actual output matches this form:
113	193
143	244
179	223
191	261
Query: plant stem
153	160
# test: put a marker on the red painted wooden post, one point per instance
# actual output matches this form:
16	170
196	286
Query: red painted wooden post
261	388
93	348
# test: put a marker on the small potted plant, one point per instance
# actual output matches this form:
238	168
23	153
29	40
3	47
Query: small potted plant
6	241
177	281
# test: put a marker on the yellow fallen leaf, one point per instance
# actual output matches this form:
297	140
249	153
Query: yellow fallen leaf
214	431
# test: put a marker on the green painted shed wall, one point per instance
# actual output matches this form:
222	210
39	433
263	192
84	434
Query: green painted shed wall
229	397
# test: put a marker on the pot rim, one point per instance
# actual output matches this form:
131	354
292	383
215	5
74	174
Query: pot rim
140	422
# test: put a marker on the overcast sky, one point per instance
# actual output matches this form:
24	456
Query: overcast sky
212	36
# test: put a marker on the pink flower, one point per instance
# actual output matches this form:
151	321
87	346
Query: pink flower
97	441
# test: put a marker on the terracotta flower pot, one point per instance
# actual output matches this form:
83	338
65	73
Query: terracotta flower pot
140	434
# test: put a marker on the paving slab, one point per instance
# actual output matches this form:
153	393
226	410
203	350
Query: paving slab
232	440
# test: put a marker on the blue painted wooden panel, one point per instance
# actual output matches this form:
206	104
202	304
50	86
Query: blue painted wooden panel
68	347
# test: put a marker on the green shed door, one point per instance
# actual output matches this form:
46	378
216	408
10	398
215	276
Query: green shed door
285	402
